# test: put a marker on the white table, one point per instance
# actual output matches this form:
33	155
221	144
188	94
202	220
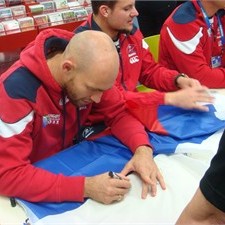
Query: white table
11	215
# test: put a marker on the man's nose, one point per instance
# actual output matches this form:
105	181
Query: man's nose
134	12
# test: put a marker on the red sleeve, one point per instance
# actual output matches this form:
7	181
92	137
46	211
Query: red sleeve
123	125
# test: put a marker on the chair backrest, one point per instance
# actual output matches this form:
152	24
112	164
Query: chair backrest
153	43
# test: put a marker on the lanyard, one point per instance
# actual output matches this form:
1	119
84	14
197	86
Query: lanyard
206	18
221	31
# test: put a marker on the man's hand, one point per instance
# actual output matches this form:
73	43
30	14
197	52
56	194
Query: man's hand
143	164
186	82
189	98
105	189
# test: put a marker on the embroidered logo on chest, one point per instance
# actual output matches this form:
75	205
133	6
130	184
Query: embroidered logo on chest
132	54
50	119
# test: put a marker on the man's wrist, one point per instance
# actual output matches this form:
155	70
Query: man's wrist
178	76
145	148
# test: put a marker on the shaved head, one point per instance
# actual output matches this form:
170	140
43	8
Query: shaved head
91	48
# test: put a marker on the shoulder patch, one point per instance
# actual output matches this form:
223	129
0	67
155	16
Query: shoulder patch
186	13
82	28
22	84
89	25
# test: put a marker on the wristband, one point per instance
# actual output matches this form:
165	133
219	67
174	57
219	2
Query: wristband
179	75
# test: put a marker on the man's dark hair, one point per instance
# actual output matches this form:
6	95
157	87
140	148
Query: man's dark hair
97	4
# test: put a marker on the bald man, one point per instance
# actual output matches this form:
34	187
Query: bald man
47	95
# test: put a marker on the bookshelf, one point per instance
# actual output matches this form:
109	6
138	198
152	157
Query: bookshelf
13	40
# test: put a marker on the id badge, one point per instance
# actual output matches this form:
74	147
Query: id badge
216	61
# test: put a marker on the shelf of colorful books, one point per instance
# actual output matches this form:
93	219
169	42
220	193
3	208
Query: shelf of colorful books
15	39
22	20
70	26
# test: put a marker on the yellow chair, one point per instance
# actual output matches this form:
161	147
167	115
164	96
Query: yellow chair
142	88
153	43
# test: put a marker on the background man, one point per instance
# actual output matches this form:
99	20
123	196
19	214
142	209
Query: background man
192	41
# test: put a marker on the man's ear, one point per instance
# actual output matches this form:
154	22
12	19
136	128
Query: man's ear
67	66
104	10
